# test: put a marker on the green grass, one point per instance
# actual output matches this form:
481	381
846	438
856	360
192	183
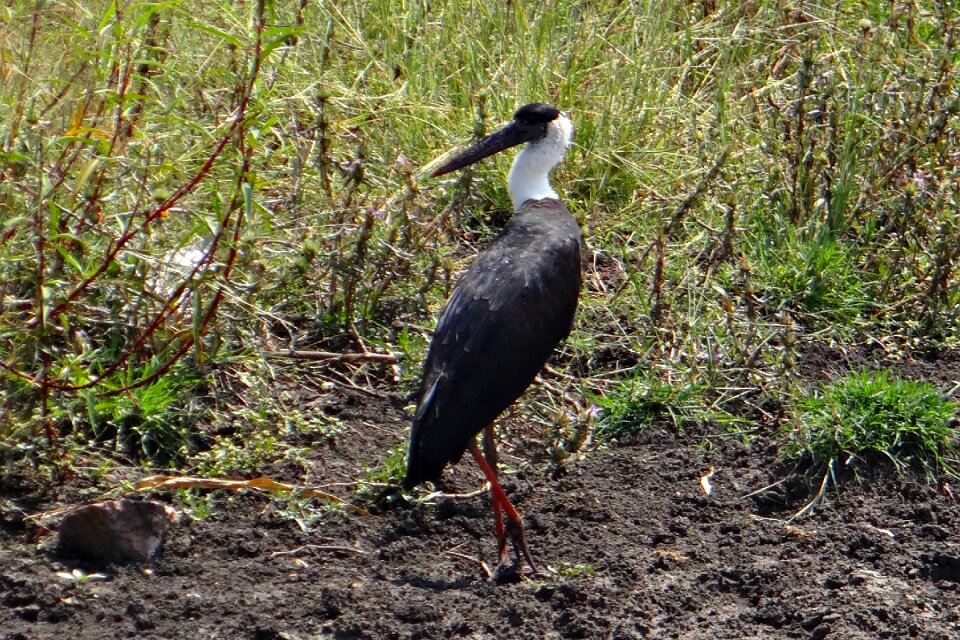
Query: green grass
816	280
749	178
381	483
868	414
636	404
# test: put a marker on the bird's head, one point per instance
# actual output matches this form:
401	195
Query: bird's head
546	128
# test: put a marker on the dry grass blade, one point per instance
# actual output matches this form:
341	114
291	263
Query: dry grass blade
174	483
319	356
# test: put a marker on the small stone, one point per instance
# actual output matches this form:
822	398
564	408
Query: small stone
30	613
116	530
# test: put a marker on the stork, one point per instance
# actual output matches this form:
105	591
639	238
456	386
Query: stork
508	312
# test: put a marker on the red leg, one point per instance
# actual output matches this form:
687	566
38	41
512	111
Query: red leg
490	455
514	524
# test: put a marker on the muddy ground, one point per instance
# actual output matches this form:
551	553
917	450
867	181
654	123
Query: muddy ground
629	544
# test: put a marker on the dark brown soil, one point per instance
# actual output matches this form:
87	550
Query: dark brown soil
629	544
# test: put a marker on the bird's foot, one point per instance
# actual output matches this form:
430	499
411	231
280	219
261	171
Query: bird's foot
508	573
512	571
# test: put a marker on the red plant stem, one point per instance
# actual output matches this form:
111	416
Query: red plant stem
236	128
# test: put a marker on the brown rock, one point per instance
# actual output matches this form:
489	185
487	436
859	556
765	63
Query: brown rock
116	530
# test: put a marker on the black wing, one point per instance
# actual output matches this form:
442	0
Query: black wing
507	314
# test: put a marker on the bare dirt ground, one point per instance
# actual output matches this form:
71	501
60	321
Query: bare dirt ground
629	544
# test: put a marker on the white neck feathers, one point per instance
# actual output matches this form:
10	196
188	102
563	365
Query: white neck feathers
529	177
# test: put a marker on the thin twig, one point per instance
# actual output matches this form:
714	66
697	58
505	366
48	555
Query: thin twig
458	496
318	547
483	565
699	190
390	358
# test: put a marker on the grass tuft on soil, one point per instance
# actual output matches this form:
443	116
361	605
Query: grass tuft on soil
868	413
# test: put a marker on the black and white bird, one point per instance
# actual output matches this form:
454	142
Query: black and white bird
508	312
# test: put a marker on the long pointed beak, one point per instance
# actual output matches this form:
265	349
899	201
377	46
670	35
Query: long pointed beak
509	136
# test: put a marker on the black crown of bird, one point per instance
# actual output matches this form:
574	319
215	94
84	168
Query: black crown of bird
507	314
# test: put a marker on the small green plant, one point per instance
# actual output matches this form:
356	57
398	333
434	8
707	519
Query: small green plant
306	511
568	570
79	577
637	403
152	422
814	277
909	422
262	437
382	483
198	505
240	453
